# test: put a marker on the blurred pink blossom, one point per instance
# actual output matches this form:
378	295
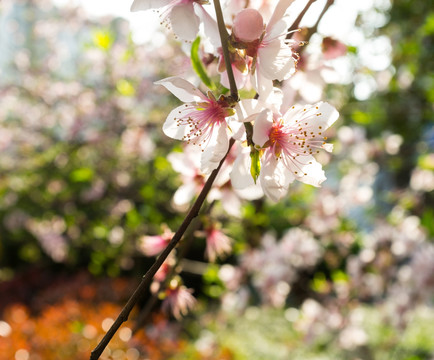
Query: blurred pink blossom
178	299
153	245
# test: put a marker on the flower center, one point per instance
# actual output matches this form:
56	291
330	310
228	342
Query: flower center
276	133
203	119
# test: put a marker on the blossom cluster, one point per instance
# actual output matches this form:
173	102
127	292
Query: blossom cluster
275	142
284	139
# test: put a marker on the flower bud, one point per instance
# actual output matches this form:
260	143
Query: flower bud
248	25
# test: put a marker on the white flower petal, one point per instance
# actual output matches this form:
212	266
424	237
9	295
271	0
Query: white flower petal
184	194
231	203
328	147
139	5
251	192
279	29
328	114
214	194
186	162
305	169
275	178
262	127
248	109
185	23
237	128
215	151
311	88
313	174
319	116
239	77
210	27
260	83
240	174
182	89
276	61
223	176
171	127
279	12
274	100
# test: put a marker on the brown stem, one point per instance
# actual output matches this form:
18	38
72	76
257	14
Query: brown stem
224	36
297	21
147	278
314	28
183	248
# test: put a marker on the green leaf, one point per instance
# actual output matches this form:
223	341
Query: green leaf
361	117
81	175
198	66
255	167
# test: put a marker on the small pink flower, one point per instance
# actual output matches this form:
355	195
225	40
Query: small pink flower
217	243
333	48
153	245
178	299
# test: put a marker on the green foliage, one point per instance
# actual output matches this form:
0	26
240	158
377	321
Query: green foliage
198	66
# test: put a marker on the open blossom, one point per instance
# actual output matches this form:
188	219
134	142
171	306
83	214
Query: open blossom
217	243
183	16
153	245
202	121
178	299
287	144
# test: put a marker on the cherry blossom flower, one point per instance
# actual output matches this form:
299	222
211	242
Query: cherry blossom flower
333	48
153	245
183	16
287	144
201	121
217	243
178	299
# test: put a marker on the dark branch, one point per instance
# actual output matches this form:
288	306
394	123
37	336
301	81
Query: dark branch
147	278
224	36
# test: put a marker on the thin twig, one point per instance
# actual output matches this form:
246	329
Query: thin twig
297	21
147	278
314	28
182	251
224	36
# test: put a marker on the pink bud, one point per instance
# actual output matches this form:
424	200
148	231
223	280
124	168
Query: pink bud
248	25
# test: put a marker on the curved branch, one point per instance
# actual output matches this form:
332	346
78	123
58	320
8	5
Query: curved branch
147	278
